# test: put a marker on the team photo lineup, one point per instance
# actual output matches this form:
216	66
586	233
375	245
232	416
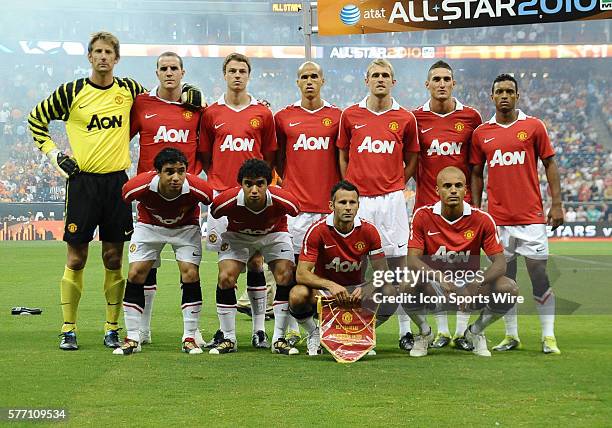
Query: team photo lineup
313	195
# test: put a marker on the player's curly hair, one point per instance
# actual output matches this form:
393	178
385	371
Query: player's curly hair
255	168
343	185
107	37
503	78
169	155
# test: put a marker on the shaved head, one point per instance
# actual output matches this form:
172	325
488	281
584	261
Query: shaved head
450	173
309	63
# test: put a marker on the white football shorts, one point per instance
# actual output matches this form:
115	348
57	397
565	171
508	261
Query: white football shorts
528	240
388	213
241	247
148	241
298	226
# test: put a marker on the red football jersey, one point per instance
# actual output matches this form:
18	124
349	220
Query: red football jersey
233	136
311	163
154	209
511	153
162	124
378	145
457	243
340	257
273	218
444	140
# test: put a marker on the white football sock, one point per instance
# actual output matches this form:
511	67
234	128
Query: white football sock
257	297
293	324
227	321
442	322
463	318
281	319
545	306
486	318
191	318
149	293
404	322
511	321
132	315
308	324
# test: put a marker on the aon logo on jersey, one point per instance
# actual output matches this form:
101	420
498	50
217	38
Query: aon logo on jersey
105	122
376	146
343	266
237	144
171	135
451	256
444	149
507	158
256	231
311	143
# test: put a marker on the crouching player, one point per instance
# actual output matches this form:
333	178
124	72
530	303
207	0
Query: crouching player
168	213
331	263
448	236
257	222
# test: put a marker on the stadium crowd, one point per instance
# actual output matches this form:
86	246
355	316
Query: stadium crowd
566	101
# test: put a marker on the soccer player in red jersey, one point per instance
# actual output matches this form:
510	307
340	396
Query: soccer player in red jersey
332	262
307	157
379	148
257	223
235	128
168	213
162	121
510	144
445	133
444	248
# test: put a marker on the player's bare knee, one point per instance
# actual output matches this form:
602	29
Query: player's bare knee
111	258
190	275
299	296
137	274
283	276
227	280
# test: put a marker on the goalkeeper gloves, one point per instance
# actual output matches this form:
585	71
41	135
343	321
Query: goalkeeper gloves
67	166
191	97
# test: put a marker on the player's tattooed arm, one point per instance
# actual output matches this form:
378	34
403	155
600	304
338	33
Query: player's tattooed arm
343	159
555	214
477	184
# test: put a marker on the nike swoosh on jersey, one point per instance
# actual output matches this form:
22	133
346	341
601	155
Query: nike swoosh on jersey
423	131
219	125
487	140
294	124
83	106
328	246
360	126
430	233
149	116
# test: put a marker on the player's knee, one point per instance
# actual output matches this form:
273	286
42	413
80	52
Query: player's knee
226	280
111	258
504	286
299	296
137	274
255	263
75	262
190	274
283	276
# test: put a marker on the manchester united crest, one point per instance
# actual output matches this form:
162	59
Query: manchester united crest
468	234
224	246
72	228
212	238
133	248
187	115
360	246
119	99
522	135
255	123
347	318
459	126
327	122
393	126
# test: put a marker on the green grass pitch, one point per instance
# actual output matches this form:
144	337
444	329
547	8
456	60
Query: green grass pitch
163	387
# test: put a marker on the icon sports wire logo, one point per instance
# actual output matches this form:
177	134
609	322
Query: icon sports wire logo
350	14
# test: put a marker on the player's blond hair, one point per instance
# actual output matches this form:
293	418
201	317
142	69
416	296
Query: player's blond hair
381	63
304	64
107	37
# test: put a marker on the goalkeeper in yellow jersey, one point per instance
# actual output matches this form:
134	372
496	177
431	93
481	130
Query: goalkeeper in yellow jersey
97	112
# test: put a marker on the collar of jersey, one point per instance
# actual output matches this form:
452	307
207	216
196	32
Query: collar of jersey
437	209
521	116
221	102
153	93
240	201
458	106
329	220
363	104
299	104
153	187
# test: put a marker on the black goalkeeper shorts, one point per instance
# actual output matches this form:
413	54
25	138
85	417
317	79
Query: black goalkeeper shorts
94	200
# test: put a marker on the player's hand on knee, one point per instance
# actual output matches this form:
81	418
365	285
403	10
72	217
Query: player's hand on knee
66	165
191	97
355	297
339	293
